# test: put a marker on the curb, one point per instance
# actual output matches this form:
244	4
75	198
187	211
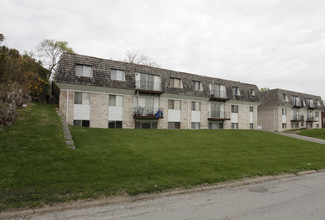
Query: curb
122	199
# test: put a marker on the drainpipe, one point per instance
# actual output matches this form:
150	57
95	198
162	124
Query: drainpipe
67	108
188	114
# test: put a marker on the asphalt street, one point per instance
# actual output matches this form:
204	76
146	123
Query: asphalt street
298	197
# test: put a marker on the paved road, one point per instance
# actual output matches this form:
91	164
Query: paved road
298	197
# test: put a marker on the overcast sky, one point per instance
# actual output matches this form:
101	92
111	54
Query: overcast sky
274	43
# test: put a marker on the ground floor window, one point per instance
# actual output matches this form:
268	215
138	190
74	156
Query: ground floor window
114	124
317	125
174	125
302	124
294	125
234	125
251	125
309	125
81	123
215	125
195	125
146	124
284	125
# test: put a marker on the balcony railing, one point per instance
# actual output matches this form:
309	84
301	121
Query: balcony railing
148	112
219	95
296	103
148	86
297	118
219	115
311	118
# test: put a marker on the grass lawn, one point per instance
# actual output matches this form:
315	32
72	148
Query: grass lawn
316	133
36	168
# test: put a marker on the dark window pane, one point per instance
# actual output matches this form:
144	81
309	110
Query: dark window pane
85	123
119	124
111	124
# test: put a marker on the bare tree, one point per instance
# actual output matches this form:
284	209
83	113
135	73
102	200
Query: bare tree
138	58
50	52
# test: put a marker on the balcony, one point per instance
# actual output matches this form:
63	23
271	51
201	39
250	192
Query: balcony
311	119
297	118
311	106
148	87
218	116
147	113
218	95
296	104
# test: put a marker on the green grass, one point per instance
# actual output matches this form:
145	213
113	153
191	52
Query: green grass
36	168
316	133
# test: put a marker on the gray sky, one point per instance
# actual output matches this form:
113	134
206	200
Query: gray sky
274	43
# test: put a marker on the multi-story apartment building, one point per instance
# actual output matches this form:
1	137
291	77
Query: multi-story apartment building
282	110
112	94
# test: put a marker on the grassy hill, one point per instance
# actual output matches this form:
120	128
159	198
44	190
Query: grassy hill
37	168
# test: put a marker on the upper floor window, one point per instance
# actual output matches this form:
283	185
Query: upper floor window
252	92
174	104
117	75
284	111
81	98
217	90
84	70
234	108
235	91
303	102
197	85
251	109
285	97
196	106
176	83
115	100
318	103
295	100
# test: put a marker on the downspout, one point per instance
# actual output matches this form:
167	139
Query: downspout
67	108
274	119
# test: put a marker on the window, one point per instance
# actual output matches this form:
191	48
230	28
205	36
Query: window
176	83
218	91
81	98
146	124
234	125
118	75
115	100
234	108
304	103
235	91
197	85
147	82
174	104
318	103
195	125
114	124
215	125
81	123
251	109
251	125
317	125
285	97
252	92
295	125
284	125
309	125
196	106
302	123
174	125
84	70
284	111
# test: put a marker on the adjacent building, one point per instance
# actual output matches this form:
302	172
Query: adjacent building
104	93
282	110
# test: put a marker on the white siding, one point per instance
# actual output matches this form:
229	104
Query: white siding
81	112
174	115
234	117
196	116
115	113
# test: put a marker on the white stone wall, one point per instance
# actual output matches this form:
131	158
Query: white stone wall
98	110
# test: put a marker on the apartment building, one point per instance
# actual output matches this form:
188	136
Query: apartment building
282	110
102	93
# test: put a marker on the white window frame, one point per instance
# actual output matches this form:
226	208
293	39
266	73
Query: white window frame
236	90
118	75
197	85
83	68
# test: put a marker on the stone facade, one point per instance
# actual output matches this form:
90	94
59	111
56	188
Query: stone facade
276	112
100	86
